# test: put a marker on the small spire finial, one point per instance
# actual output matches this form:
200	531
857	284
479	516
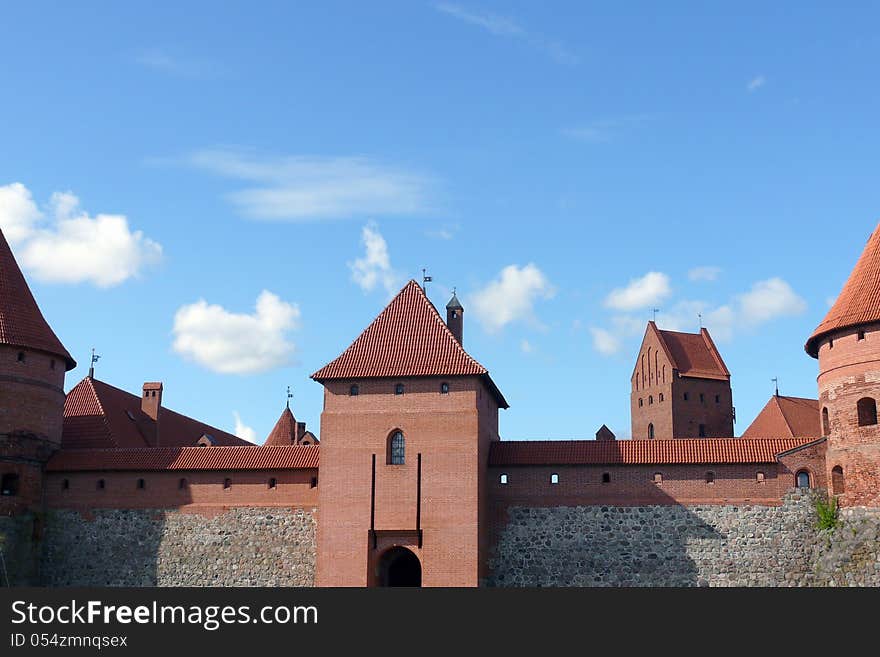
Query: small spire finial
700	317
775	380
425	280
92	361
655	311
289	396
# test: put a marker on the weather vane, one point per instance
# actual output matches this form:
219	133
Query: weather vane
700	316
655	310
289	396
425	280
92	362
775	380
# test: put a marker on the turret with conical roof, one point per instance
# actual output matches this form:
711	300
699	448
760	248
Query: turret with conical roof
455	317
32	366
847	344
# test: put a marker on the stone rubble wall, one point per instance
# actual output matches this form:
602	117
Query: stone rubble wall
235	547
686	546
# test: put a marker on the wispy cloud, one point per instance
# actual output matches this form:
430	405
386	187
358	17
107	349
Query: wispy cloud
604	130
306	188
374	268
642	292
242	430
605	342
176	64
504	26
706	273
756	83
444	232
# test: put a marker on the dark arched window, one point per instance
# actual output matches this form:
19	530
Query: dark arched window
354	391
181	484
141	484
710	477
661	396
227	483
650	399
65	484
867	408
396	448
9	484
826	422
651	430
802	479
606	477
641	402
838	486
101	484
273	482
20	356
398	389
444	388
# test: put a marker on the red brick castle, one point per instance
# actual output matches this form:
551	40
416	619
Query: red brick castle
410	483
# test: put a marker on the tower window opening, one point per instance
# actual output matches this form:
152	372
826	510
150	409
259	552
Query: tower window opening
641	402
702	430
354	391
838	485
685	396
606	477
759	477
867	408
20	356
65	484
702	398
802	479
717	399
650	400
227	483
651	431
313	483
503	479
181	484
861	335
141	484
658	478
826	422
273	483
444	388
661	397
831	343
101	484
710	477
554	478
398	389
9	484
396	449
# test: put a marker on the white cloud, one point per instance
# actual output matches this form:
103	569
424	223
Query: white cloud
302	188
511	297
605	342
768	300
642	292
374	267
67	245
756	83
233	343
704	273
502	26
242	430
526	346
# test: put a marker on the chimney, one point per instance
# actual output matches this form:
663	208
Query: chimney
151	402
299	432
604	433
455	317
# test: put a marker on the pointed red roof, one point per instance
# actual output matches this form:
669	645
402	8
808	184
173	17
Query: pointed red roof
284	431
692	354
858	302
786	417
21	322
408	338
97	414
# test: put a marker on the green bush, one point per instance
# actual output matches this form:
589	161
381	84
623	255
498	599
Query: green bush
826	513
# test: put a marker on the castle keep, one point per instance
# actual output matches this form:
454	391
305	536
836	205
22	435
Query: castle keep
409	483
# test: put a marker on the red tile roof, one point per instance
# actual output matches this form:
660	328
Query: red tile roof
97	414
284	431
640	452
794	417
858	302
692	354
250	457
21	322
408	338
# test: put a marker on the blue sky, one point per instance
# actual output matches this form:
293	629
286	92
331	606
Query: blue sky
228	193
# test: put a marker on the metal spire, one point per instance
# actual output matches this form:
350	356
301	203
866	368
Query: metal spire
425	280
776	381
289	396
92	362
655	311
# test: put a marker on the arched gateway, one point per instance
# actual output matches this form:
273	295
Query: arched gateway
400	567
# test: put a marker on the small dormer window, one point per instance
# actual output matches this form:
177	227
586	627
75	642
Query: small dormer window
398	389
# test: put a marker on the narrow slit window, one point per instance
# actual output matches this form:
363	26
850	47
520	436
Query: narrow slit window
606	477
710	477
141	484
354	391
273	483
227	483
398	389
554	478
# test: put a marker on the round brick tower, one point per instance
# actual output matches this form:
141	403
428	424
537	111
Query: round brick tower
847	344
32	366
